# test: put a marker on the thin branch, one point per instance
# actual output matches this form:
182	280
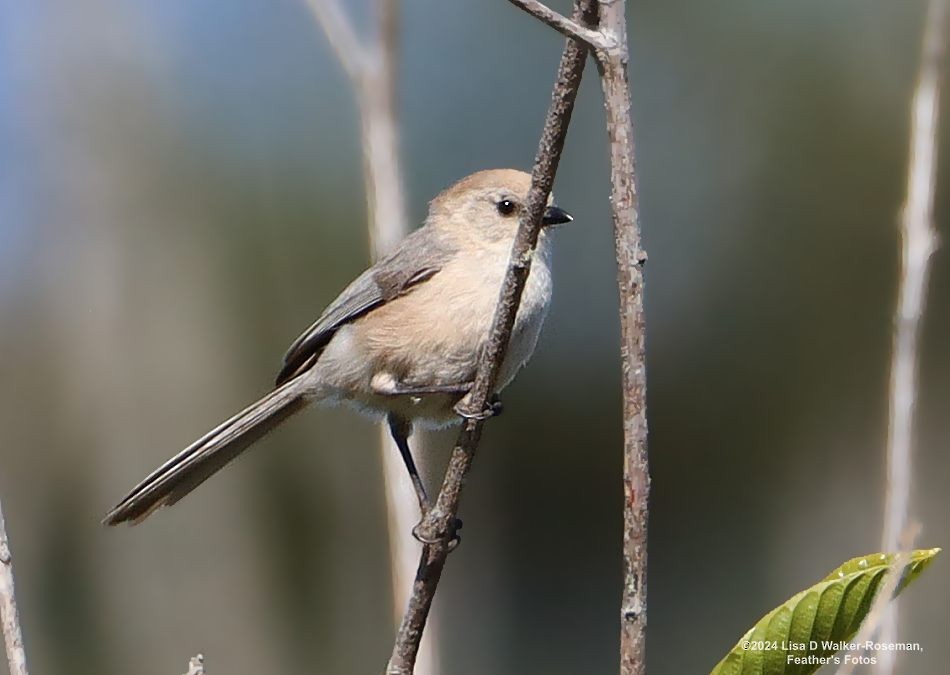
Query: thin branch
341	36
387	13
196	666
438	524
376	93
630	261
372	71
919	240
12	635
565	26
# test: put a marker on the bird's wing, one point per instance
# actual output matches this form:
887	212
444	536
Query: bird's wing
418	258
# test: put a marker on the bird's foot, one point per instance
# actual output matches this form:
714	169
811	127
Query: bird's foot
493	408
424	537
496	406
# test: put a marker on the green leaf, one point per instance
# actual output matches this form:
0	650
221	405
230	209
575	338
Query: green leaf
831	611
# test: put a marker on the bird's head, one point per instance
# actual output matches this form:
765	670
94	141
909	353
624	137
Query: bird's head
486	206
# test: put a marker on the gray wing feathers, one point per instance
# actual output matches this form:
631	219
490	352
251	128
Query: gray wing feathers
419	257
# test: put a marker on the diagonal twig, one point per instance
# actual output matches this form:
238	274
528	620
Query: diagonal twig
439	522
10	620
349	52
562	24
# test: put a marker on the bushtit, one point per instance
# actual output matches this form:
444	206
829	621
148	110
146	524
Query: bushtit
403	340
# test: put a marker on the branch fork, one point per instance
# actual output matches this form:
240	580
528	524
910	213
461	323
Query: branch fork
603	43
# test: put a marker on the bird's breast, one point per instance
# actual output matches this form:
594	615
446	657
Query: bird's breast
435	333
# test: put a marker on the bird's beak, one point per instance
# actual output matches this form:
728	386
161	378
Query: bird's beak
554	215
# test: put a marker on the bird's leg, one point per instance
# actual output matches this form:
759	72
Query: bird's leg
401	428
495	405
493	409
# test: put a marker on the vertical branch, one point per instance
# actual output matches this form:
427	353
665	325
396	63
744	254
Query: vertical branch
630	261
608	38
438	524
372	71
9	619
919	240
376	90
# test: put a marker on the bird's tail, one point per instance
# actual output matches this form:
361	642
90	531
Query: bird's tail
209	454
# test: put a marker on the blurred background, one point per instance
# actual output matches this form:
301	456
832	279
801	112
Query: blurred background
181	194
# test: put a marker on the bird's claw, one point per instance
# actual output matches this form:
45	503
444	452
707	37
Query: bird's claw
494	408
454	539
495	405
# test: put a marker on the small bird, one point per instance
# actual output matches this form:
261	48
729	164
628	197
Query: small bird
401	341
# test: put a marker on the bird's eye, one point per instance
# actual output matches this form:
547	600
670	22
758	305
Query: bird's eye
506	207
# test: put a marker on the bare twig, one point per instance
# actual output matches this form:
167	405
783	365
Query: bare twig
919	240
196	666
349	52
630	261
612	55
10	620
438	524
567	27
372	72
380	136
